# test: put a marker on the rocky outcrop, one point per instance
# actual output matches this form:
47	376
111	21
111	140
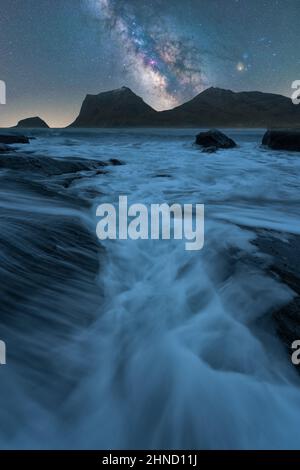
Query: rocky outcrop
282	139
5	148
50	261
33	123
48	165
13	139
285	267
214	140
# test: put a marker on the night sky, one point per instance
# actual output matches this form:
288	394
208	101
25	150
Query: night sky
54	52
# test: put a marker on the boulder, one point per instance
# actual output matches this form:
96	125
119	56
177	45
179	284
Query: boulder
213	140
282	139
13	139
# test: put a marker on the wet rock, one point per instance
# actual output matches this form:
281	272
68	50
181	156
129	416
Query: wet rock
115	162
47	165
74	177
209	149
285	255
213	140
5	148
282	139
13	139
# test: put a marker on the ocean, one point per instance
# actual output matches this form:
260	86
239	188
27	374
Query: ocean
124	344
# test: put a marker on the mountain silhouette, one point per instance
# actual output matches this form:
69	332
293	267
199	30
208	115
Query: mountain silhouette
116	108
214	107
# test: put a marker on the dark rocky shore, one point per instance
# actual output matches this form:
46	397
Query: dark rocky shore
50	261
284	250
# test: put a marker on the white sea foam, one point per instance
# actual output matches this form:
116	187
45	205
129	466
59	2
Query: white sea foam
181	354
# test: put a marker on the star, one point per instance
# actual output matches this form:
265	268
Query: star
240	66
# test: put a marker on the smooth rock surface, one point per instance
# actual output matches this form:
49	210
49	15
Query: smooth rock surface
13	139
213	140
282	139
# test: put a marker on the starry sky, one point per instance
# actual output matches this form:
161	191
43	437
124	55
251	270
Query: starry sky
54	52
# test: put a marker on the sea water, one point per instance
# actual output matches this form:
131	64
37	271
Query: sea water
140	343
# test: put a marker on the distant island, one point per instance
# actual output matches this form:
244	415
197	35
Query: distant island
32	123
214	107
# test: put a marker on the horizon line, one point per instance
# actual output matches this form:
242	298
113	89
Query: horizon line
129	88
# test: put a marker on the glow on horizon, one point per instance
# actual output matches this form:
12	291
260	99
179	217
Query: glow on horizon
53	119
59	118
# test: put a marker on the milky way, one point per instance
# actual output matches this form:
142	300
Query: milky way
167	67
